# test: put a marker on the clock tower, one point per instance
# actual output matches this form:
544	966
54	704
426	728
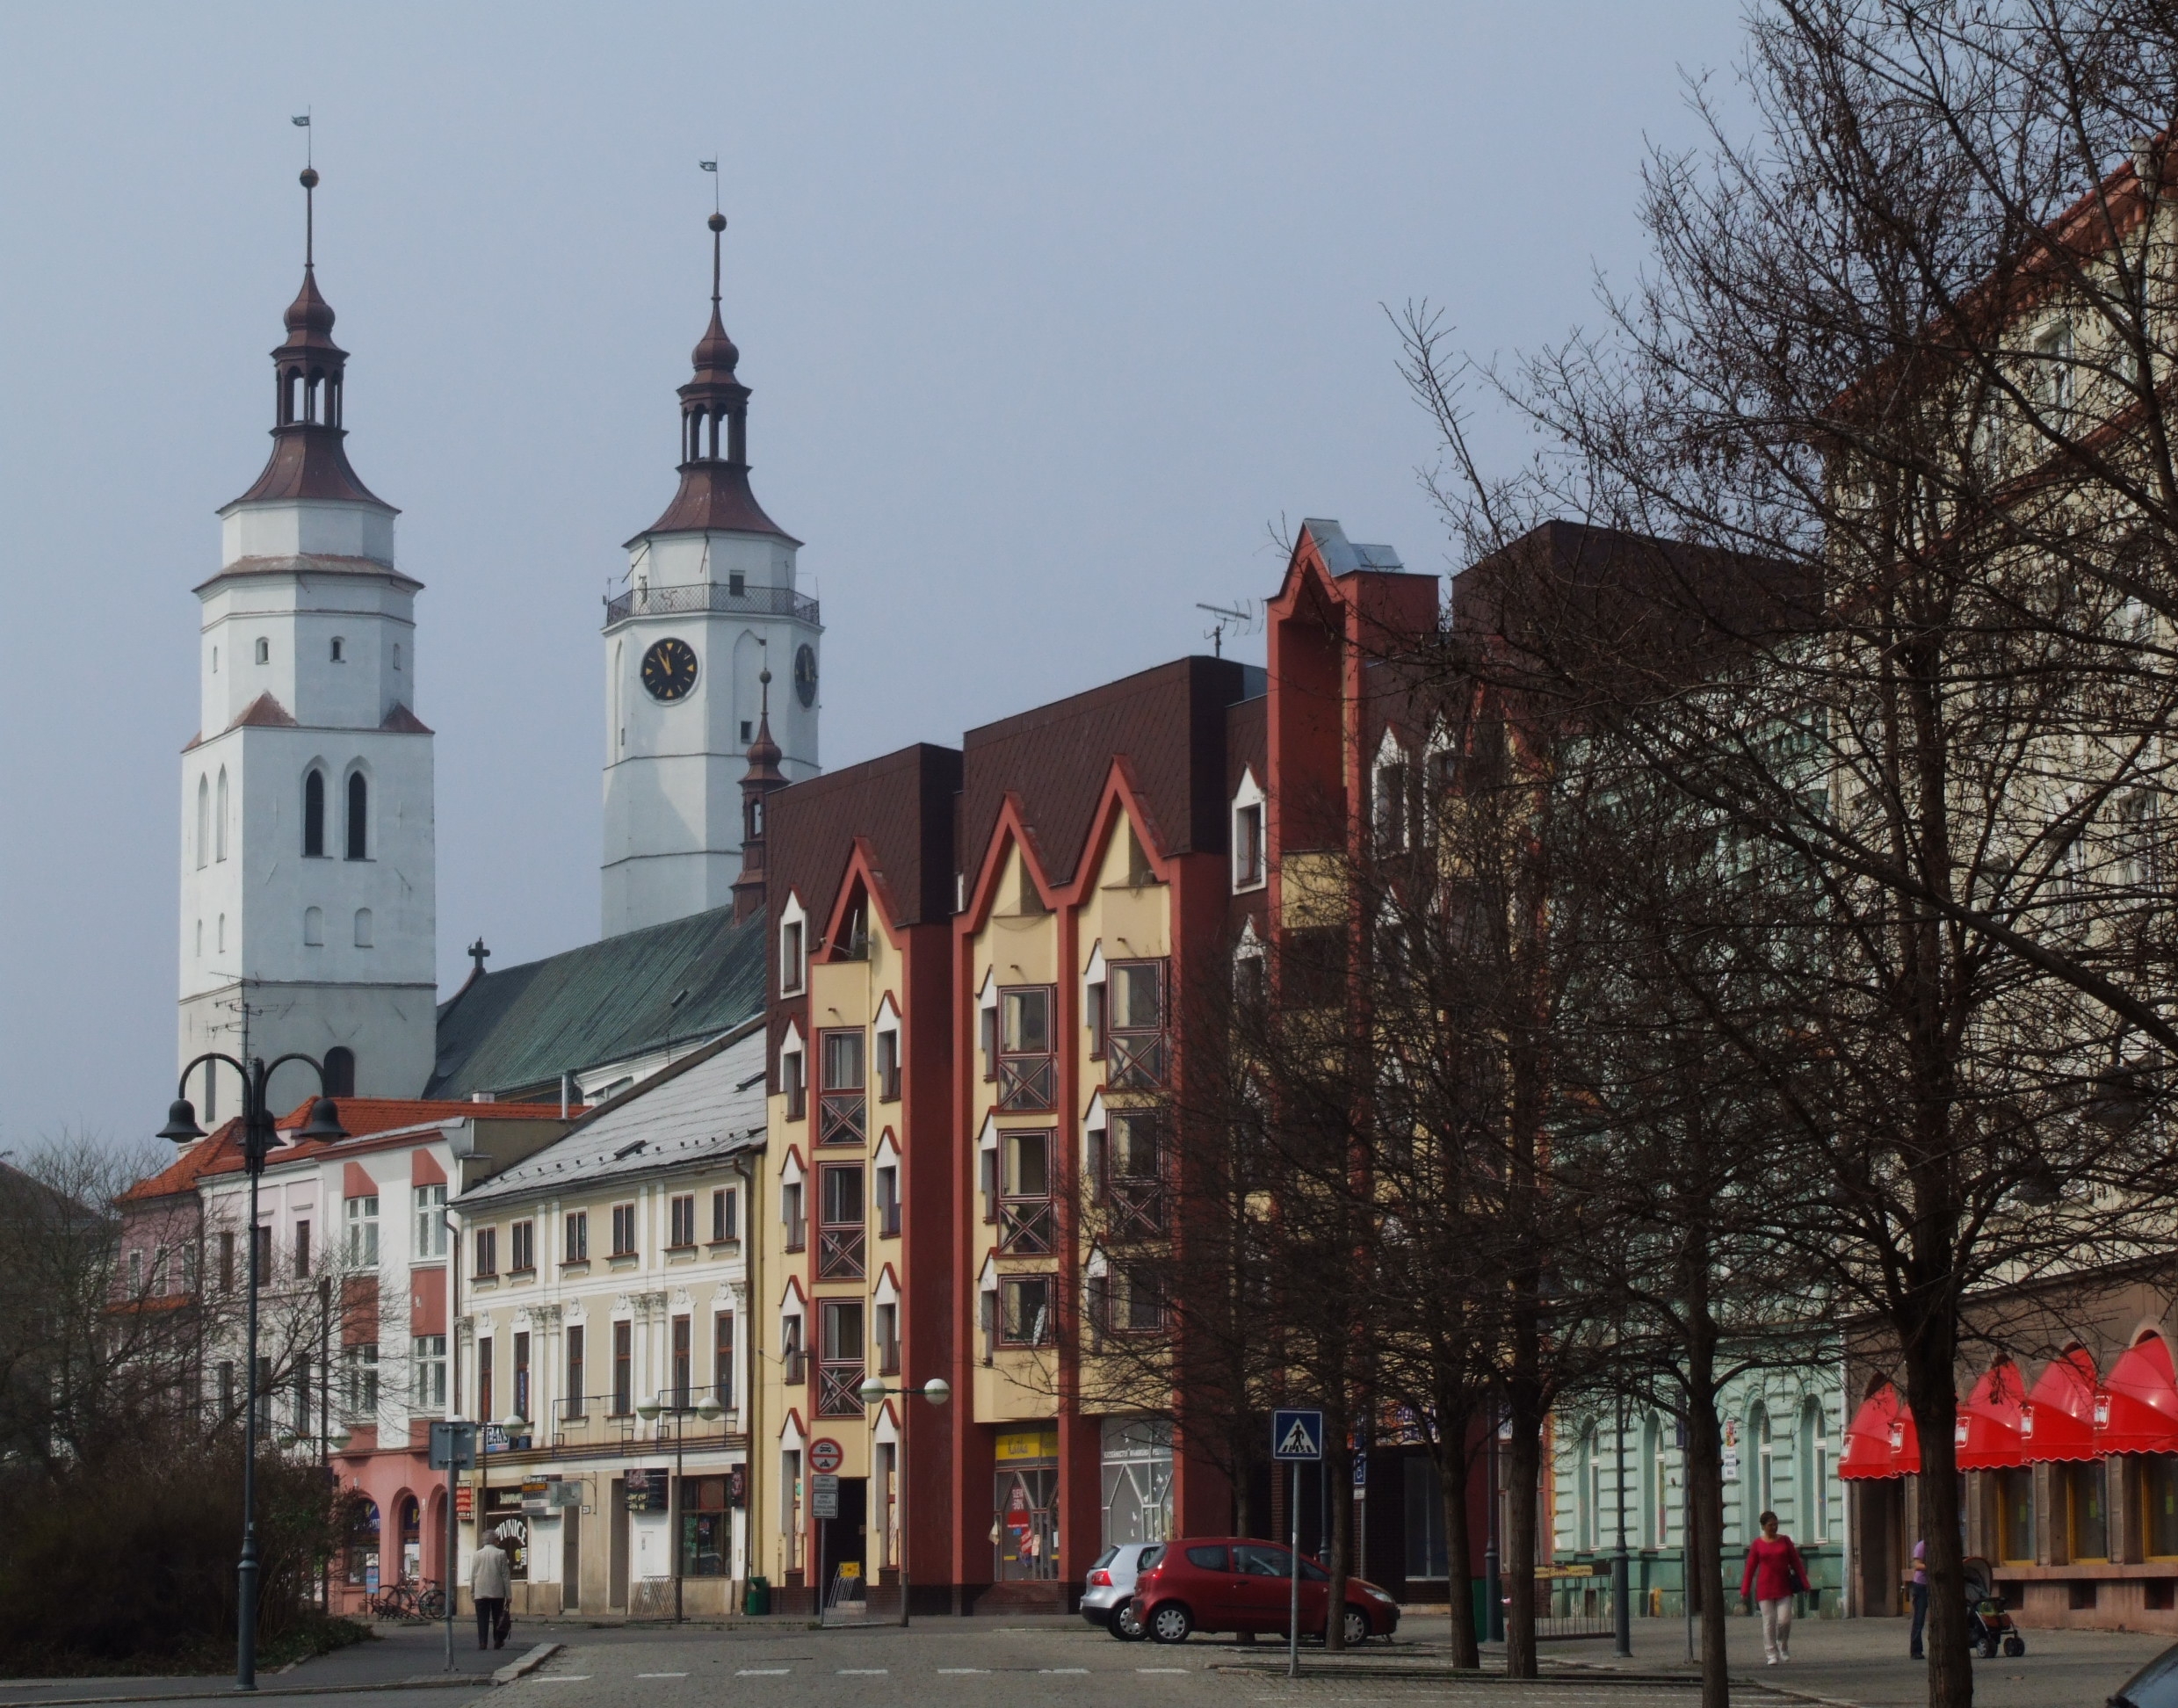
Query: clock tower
710	605
308	909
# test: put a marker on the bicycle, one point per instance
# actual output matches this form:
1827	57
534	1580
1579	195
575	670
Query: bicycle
410	1602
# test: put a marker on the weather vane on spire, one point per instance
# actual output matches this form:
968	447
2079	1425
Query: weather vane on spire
711	167
310	189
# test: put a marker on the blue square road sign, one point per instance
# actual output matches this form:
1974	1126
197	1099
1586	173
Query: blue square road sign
1296	1435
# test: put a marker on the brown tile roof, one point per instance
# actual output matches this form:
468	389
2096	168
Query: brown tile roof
265	711
901	804
402	721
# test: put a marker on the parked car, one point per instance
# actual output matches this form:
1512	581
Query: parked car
1108	1596
2155	1686
1239	1584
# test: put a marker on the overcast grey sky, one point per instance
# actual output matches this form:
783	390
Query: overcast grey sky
1048	310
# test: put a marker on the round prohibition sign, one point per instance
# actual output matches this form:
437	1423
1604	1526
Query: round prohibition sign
825	1454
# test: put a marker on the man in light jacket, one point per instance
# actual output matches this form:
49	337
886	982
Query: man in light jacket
491	1577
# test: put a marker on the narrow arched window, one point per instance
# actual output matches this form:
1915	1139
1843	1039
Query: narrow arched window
358	813
340	1072
363	928
265	650
313	814
204	821
313	928
219	821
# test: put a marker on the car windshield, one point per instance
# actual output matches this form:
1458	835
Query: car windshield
2155	1686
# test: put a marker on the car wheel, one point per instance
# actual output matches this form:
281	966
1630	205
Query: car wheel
1168	1623
1124	1625
1355	1629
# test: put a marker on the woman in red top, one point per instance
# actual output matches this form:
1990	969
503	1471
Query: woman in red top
1774	1570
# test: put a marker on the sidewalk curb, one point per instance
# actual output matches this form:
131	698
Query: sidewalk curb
439	1682
528	1664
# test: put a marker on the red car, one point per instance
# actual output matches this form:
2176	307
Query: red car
1238	1584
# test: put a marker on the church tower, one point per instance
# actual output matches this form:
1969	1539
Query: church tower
309	910
710	596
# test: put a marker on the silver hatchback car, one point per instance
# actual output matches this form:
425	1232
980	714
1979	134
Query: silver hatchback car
1110	1588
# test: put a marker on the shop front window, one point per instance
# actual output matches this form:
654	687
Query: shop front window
1025	1523
411	1529
706	1528
1136	1479
363	1547
2015	1519
504	1524
1426	1553
2158	1492
2089	1514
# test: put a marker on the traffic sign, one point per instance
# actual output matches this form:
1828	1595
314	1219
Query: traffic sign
824	1496
453	1446
1296	1435
825	1454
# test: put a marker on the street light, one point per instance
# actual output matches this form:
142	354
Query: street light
711	1411
872	1392
257	1140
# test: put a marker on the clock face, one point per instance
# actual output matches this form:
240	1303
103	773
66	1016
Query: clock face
669	670
805	676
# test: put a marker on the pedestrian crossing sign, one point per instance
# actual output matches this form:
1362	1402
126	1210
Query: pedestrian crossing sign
1295	1435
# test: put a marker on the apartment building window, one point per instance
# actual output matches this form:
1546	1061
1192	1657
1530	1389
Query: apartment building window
576	1392
227	1391
722	1358
986	1038
303	1408
842	1100
888	1065
485	1244
302	1259
431	1222
358	1386
1138	1026
793	1361
1249	855
427	1373
484	1381
576	1240
362	1251
682	1359
261	1397
1094	1013
887	1338
1027	1075
521	1374
682	1213
2054	374
840	1363
726	1220
1128	1158
1025	1213
261	1257
622	1230
790	1214
1133	1299
227	1263
1391	806
790	957
839	1222
188	1269
522	1249
1024	1313
793	1084
888	1201
987	1182
623	1369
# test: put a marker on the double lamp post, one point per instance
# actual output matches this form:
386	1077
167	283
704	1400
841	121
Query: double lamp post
258	1137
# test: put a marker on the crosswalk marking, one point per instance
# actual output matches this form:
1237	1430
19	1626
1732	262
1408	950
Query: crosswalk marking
661	1675
963	1670
863	1672
1062	1669
1162	1669
763	1671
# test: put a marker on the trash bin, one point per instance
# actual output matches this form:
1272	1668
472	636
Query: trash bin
757	1599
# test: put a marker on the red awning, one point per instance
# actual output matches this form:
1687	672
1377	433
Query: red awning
2139	1413
1989	1434
2059	1419
1880	1441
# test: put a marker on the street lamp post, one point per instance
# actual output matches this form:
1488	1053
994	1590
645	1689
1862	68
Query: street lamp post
710	1410
258	1139
937	1391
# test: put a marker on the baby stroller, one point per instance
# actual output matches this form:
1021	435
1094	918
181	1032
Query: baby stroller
1989	1628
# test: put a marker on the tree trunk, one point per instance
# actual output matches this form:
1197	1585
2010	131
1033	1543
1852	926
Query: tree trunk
1455	1468
1705	1540
1523	1467
1338	1473
1931	1392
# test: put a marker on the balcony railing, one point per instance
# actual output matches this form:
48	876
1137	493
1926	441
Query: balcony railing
1136	1208
839	1254
839	1390
842	1118
1138	1060
1026	1228
1026	1082
682	601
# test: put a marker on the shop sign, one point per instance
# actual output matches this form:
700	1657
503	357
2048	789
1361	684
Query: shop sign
563	1492
647	1492
737	1487
826	1454
537	1496
1024	1445
464	1502
823	1495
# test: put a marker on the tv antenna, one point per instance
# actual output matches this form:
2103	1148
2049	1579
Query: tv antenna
1245	618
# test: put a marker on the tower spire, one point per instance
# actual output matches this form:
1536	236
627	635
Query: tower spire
310	375
763	778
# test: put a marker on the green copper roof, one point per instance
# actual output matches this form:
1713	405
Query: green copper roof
522	1028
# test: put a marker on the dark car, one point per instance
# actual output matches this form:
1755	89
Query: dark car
1239	1584
2155	1686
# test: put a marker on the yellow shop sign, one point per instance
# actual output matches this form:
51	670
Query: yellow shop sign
1028	1445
